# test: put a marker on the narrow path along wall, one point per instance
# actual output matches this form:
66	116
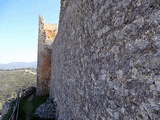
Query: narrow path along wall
106	60
47	34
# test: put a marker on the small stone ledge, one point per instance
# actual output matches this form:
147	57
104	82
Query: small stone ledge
46	111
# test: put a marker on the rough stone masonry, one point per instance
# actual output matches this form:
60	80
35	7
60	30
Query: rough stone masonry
46	36
106	60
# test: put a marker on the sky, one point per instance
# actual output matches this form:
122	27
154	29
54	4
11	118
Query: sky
19	27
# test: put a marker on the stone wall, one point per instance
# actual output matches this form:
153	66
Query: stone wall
47	34
106	60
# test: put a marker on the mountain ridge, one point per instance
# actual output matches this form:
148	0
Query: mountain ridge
17	65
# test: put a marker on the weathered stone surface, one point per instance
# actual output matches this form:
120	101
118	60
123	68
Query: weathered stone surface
46	111
47	34
106	60
7	106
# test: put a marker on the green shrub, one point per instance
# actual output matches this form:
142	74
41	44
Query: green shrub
28	107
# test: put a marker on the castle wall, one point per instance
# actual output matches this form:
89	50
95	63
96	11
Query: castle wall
106	60
47	34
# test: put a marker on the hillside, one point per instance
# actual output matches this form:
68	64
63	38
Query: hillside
18	65
13	80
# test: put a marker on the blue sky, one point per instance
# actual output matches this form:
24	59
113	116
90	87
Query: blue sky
19	27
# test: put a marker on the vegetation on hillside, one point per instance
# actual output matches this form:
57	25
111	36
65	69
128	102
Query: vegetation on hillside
13	80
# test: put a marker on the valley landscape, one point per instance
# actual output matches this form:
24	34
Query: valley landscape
12	80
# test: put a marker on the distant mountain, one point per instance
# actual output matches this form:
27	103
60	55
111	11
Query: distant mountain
17	65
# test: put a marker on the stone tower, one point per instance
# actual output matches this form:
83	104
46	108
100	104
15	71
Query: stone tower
46	36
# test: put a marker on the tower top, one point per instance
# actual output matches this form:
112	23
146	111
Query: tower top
41	18
41	22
